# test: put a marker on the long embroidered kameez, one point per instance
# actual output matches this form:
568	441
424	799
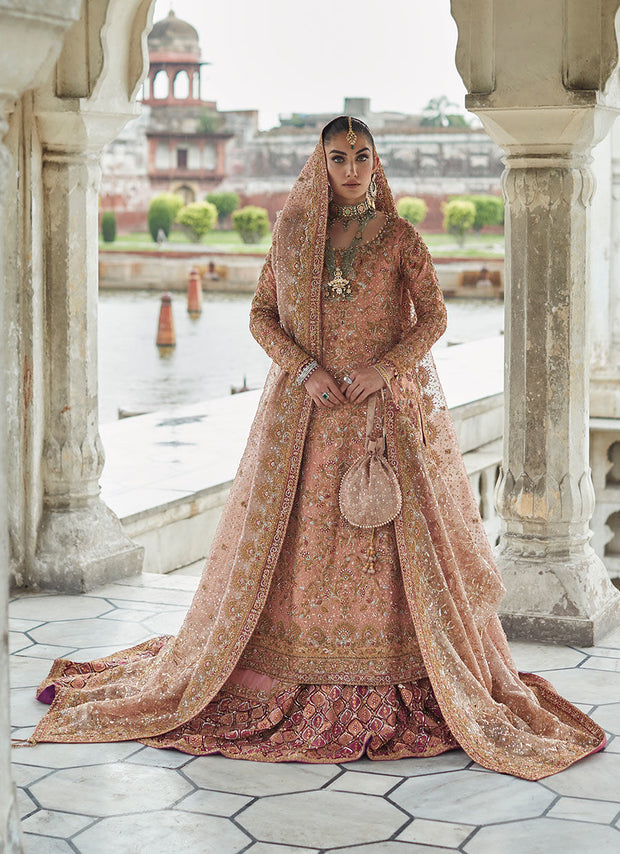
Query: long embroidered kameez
291	650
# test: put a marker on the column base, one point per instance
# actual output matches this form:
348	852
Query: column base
558	600
10	834
82	548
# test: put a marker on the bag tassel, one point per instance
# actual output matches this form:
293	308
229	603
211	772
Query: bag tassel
371	554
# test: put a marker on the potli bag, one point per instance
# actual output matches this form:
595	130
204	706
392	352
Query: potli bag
370	495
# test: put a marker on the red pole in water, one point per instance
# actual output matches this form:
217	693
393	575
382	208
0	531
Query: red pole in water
165	330
194	293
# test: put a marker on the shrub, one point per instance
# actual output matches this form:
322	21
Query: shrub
412	209
162	213
198	218
108	226
458	218
251	223
489	210
225	203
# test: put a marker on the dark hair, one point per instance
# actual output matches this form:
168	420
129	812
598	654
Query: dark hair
341	123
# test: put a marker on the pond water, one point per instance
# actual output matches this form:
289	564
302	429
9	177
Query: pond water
213	352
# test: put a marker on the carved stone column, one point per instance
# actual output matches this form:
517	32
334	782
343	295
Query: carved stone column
558	589
83	106
10	838
81	543
533	83
41	26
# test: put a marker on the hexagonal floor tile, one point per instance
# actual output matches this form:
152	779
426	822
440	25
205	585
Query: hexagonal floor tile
213	803
583	809
27	672
25	709
49	755
321	819
544	835
453	760
270	848
540	656
472	798
59	824
258	778
85	633
167	623
444	833
596	777
367	784
105	790
162	832
389	848
36	844
48	608
586	686
596	662
608	717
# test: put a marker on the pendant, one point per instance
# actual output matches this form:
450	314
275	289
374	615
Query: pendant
339	286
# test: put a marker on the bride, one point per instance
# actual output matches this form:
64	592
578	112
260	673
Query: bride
310	638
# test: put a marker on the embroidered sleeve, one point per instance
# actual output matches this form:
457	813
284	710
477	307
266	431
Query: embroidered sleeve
425	304
266	328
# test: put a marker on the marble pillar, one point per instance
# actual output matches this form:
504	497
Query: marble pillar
544	82
10	838
558	589
42	26
81	543
81	108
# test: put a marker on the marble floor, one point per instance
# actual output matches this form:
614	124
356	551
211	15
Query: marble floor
129	799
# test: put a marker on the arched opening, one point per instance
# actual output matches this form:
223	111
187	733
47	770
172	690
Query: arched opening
180	87
161	85
186	192
612	549
613	475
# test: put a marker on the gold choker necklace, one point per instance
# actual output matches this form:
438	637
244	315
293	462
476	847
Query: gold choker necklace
346	213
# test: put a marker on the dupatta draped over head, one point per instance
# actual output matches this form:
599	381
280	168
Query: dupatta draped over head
506	721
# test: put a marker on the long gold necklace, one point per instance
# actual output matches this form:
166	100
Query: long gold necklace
339	262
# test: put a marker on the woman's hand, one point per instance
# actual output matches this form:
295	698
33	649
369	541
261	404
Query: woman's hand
321	381
365	381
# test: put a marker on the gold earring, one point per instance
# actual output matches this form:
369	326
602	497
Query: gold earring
371	192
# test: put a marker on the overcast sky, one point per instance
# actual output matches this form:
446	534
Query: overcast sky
284	56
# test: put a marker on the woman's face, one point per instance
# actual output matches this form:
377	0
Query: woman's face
349	169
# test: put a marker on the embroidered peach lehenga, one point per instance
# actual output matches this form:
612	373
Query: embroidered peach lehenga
290	650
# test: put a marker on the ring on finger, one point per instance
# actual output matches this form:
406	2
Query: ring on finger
325	395
347	379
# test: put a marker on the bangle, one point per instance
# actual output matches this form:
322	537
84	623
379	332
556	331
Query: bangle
306	371
383	374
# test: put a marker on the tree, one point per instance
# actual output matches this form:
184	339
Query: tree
437	113
198	218
251	223
108	226
489	210
225	203
209	121
458	218
162	213
412	209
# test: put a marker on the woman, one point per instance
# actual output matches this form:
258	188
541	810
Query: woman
311	639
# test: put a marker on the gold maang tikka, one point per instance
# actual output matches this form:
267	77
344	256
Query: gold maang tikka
351	135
